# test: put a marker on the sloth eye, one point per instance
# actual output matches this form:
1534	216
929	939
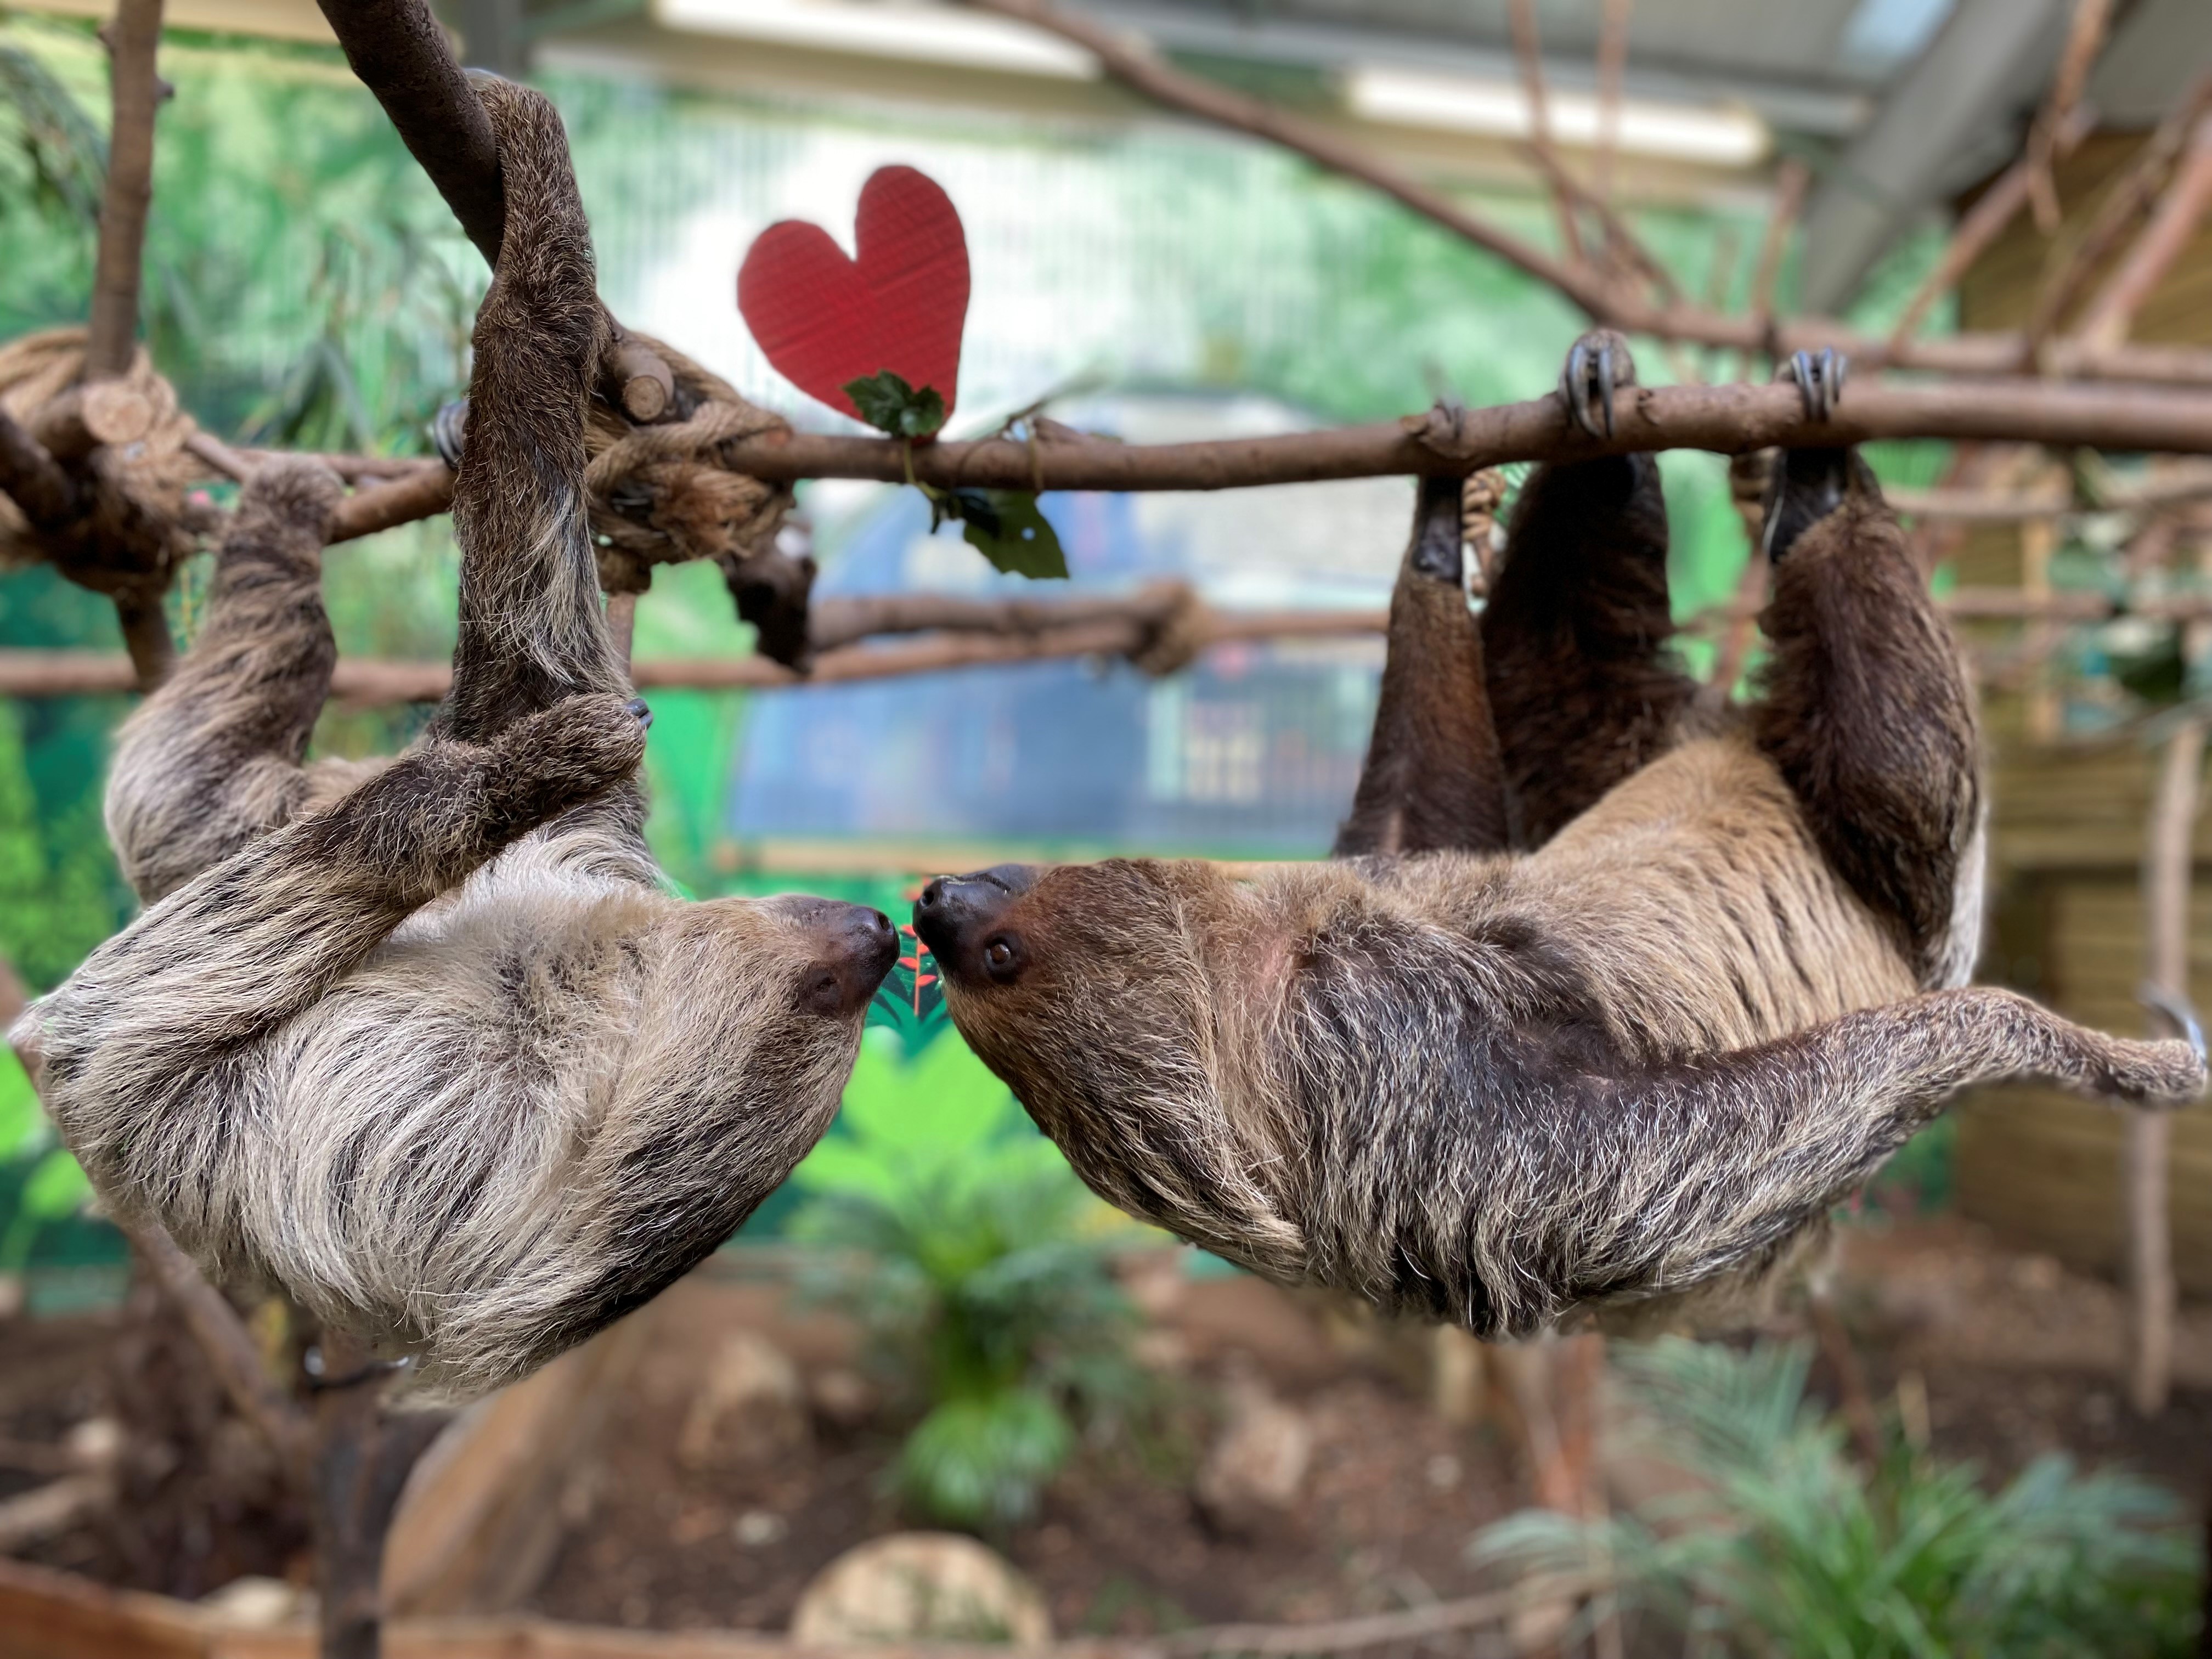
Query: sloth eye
1002	956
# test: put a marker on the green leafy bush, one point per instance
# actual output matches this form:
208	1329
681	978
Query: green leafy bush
979	1266
1781	1544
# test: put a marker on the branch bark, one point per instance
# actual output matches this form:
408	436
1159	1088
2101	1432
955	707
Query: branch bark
132	38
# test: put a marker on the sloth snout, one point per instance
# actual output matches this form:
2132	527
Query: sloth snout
954	914
855	948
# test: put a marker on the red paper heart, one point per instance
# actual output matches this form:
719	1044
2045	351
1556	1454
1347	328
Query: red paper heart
824	319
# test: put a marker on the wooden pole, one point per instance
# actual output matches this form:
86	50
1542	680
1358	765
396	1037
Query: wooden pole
2166	863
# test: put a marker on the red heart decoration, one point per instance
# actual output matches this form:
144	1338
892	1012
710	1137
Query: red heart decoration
824	319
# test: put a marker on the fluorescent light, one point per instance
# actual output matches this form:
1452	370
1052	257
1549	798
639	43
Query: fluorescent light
888	28
1686	132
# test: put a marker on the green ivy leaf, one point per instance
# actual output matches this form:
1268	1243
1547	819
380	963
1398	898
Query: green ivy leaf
1007	529
888	404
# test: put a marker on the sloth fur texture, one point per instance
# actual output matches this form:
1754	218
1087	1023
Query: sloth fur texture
1611	996
425	1041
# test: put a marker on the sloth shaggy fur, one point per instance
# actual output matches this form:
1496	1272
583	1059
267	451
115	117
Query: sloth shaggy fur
426	1042
1611	994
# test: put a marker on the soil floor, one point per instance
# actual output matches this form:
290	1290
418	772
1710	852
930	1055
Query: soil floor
2012	1354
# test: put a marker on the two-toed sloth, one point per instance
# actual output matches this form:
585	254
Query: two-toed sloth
1609	999
427	1042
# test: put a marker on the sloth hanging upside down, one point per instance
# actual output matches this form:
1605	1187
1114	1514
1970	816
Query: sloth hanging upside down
1611	996
426	1042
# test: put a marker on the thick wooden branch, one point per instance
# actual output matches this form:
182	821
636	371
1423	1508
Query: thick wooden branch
421	494
87	416
133	38
32	478
401	55
1144	72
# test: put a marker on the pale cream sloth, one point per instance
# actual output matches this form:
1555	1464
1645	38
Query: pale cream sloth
428	1042
1612	994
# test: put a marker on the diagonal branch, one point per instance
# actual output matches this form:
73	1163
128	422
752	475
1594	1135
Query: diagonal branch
1142	70
2180	209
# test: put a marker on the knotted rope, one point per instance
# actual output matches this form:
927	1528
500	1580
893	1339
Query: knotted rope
133	520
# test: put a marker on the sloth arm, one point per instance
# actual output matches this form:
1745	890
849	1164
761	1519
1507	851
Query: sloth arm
263	935
213	758
1433	779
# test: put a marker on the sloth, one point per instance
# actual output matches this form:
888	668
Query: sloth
426	1042
1608	997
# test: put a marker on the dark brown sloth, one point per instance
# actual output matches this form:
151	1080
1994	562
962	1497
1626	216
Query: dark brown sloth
1608	999
427	1042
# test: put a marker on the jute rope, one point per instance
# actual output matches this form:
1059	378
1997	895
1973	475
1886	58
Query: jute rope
664	493
157	471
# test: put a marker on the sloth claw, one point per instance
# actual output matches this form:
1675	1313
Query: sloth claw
447	427
2176	1008
1820	378
1597	364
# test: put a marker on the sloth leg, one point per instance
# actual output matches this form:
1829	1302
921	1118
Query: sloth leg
1737	1150
1583	684
213	758
1433	779
1866	709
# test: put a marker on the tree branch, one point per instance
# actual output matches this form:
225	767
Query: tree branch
132	40
1998	206
34	479
230	1352
2180	210
1142	70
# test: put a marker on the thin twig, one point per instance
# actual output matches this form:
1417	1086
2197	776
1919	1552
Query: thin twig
1611	70
1792	180
1529	51
2085	37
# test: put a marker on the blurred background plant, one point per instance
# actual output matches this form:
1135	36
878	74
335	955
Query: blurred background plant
1773	1540
979	1270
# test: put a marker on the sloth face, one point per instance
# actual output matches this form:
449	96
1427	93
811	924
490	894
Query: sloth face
1132	1005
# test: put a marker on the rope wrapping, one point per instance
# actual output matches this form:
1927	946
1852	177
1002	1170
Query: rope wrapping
136	520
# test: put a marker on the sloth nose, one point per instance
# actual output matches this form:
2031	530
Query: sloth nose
855	948
955	911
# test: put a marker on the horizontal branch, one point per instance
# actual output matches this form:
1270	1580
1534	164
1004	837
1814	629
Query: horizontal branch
993	635
1727	419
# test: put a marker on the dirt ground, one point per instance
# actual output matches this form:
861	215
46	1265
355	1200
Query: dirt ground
2012	1354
